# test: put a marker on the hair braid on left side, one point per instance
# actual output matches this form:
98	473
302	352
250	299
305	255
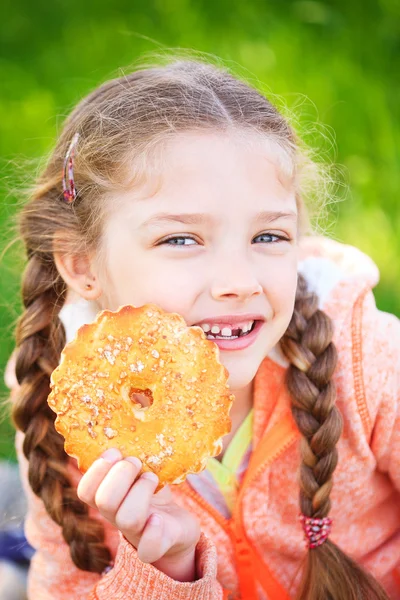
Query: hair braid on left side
40	339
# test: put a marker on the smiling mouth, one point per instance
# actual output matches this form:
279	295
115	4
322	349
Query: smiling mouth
227	333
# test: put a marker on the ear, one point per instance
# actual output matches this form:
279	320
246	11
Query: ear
77	272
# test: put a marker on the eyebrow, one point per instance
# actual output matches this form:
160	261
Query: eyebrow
201	218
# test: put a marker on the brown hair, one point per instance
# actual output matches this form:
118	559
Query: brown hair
120	125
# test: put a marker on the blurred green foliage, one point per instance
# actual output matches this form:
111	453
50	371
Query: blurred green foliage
334	62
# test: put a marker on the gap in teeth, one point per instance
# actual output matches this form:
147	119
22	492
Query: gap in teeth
222	337
215	332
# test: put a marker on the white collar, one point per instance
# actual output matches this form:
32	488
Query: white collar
75	314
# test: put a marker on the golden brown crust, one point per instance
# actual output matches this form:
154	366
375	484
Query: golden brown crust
93	392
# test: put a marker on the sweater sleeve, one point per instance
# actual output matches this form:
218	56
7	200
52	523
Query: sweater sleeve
54	576
381	376
130	578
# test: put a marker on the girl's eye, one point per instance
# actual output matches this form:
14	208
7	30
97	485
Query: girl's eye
185	240
270	238
179	240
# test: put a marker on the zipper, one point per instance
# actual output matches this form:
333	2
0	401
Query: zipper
223	521
357	357
226	523
233	526
261	572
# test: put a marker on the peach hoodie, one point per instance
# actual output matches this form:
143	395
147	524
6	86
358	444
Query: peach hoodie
260	548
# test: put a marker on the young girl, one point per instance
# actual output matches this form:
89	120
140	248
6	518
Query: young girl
183	186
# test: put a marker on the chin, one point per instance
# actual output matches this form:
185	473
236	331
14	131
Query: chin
241	377
243	365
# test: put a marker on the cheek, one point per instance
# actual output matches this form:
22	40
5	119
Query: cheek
140	281
172	289
280	290
281	297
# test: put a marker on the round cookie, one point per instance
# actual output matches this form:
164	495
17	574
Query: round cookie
142	381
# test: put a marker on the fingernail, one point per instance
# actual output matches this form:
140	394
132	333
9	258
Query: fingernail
111	455
150	476
135	461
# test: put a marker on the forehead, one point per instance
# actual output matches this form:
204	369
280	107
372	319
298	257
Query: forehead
216	173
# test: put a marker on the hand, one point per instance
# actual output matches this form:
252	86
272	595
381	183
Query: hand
162	532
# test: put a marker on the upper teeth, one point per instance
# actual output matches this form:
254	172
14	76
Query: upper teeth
225	331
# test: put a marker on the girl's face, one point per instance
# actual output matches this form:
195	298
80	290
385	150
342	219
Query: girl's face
216	243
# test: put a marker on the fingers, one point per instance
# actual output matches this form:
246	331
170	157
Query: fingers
153	544
110	486
134	510
163	496
151	522
91	480
115	486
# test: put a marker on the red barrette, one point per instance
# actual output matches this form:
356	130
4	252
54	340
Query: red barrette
316	530
69	190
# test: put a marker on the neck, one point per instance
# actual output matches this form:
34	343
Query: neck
241	407
243	402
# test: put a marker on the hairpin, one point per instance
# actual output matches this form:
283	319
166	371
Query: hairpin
69	190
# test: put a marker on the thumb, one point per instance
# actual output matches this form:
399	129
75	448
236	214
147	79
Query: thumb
153	544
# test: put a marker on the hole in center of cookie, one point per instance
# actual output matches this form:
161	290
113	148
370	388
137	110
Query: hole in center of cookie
144	398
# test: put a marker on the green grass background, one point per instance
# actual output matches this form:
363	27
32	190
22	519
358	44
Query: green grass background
335	63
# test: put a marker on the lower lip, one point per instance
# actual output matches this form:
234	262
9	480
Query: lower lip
241	342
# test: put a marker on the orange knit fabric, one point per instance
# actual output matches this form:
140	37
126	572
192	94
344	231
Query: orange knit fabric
260	548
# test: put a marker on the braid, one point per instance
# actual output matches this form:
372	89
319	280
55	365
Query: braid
40	338
329	574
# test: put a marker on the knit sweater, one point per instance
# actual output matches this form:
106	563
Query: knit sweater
257	551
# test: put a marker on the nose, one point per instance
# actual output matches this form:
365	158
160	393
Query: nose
239	283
